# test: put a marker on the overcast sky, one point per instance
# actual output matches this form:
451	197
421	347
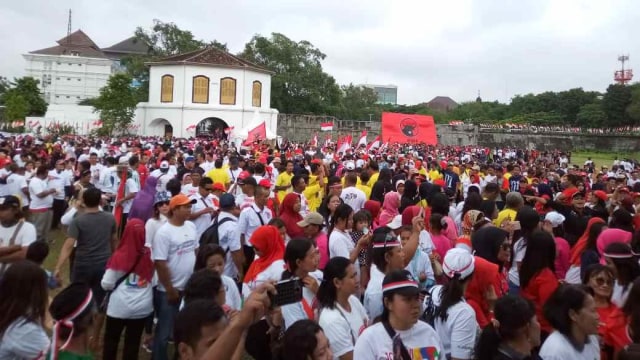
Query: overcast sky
426	48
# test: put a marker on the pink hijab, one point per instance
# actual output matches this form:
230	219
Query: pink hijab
609	236
389	207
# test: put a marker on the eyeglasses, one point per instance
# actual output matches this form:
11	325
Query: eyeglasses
602	281
163	203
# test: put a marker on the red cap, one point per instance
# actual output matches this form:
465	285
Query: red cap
218	186
601	195
265	183
243	175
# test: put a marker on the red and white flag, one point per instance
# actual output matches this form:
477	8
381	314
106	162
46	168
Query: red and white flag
374	144
191	128
345	144
363	139
327	126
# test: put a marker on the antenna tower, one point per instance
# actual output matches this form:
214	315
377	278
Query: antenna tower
69	26
622	76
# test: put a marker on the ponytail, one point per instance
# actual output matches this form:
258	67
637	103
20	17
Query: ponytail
451	294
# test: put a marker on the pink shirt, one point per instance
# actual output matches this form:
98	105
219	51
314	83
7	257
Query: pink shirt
442	244
322	241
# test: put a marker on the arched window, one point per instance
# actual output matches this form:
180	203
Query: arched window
166	88
227	91
200	94
256	94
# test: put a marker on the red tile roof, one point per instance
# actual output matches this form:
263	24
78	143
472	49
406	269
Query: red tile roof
77	42
211	56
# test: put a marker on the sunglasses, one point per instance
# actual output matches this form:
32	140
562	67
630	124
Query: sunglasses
603	281
163	203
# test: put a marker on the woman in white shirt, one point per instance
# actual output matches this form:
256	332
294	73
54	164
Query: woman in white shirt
340	243
573	314
341	315
212	256
23	311
160	211
302	259
455	320
399	335
128	277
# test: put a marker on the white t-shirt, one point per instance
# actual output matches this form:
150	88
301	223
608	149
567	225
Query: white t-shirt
421	341
24	237
558	347
342	327
272	273
252	218
373	294
353	197
203	221
425	242
294	312
232	297
189	190
14	186
24	340
132	299
131	187
519	250
96	171
619	295
37	186
458	333
229	240
176	245
420	263
58	182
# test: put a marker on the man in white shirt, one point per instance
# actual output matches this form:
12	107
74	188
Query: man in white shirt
163	176
299	184
208	164
251	218
131	188
351	195
234	171
174	253
96	168
59	180
15	237
229	237
192	189
41	202
202	210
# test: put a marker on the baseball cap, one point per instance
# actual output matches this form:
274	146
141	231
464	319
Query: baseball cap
218	186
227	201
242	176
400	282
601	195
164	165
350	165
180	200
458	262
311	219
396	223
265	183
161	196
8	201
555	218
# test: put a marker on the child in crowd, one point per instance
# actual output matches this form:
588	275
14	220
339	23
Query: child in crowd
37	252
361	226
438	225
420	265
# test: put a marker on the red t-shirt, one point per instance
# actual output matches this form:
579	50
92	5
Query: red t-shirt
538	290
616	332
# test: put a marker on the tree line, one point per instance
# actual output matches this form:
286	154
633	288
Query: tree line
300	85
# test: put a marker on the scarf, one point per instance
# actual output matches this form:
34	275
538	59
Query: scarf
142	205
290	217
131	249
267	239
389	207
373	207
581	244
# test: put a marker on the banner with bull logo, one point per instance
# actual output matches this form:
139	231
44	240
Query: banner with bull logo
408	128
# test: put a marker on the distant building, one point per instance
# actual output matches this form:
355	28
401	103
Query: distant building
206	92
387	94
442	104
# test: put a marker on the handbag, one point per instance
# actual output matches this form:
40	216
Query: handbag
105	302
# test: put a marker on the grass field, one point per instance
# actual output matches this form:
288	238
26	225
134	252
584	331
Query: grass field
600	158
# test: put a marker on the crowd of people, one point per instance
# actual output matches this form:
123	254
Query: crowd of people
177	246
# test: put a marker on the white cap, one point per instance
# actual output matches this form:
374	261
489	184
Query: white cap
350	165
555	218
164	164
458	262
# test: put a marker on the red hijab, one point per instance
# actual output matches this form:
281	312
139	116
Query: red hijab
130	250
267	239
291	217
581	244
373	207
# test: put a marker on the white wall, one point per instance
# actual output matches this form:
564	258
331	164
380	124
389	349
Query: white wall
80	117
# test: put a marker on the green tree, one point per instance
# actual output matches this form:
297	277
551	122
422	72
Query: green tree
5	85
591	115
27	88
633	109
16	107
116	104
358	102
299	85
614	104
163	40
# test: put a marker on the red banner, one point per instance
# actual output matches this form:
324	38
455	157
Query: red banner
408	128
257	133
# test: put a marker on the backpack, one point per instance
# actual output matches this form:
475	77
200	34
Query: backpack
430	308
211	236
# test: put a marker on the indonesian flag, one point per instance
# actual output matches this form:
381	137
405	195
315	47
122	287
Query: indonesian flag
345	144
257	133
97	123
363	139
314	141
374	144
327	126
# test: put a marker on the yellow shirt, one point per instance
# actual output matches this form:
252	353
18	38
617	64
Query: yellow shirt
365	189
434	175
423	172
313	193
372	180
219	175
504	215
507	175
358	182
284	179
